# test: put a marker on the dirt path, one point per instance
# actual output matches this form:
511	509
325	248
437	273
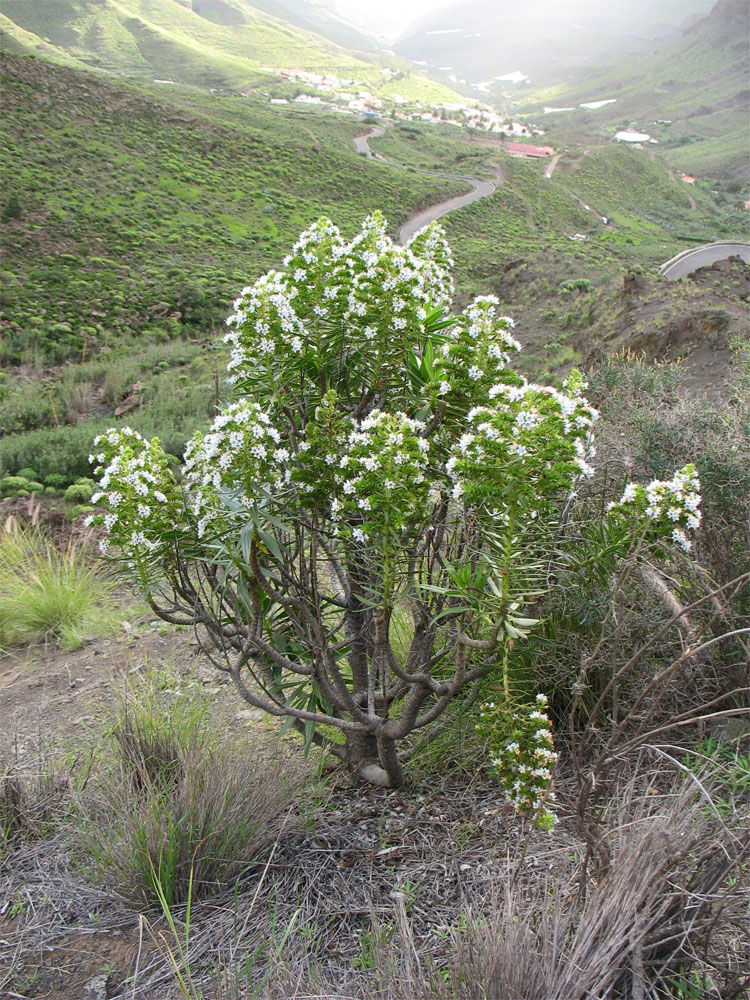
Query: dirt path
682	185
551	166
479	188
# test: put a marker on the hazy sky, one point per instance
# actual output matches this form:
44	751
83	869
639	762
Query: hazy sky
387	17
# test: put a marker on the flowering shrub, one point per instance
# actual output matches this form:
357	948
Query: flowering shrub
378	464
242	447
667	507
524	755
138	488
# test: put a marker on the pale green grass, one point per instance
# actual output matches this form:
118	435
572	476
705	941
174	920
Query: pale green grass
50	592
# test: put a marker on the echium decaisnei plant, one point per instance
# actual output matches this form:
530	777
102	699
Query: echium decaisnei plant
359	533
523	755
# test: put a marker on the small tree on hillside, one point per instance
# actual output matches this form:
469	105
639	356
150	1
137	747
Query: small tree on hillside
358	534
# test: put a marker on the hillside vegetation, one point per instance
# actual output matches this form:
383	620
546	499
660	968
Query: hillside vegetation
206	43
136	217
692	95
133	217
130	221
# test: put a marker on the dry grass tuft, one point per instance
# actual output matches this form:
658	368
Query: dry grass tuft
177	808
32	802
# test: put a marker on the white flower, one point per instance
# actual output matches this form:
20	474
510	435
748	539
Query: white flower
682	540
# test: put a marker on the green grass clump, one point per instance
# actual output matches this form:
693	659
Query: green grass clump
49	591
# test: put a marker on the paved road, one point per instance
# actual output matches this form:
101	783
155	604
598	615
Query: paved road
479	188
362	146
690	260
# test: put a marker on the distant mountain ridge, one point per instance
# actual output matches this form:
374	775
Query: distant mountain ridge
478	40
208	43
318	17
693	95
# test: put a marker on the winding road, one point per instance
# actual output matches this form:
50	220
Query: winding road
680	266
688	261
479	188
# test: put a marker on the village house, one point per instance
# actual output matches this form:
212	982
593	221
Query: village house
523	149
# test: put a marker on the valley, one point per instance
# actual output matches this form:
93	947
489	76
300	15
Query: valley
135	214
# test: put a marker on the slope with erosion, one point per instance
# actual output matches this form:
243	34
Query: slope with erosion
572	310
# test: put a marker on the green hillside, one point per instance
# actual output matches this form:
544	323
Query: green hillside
134	213
126	204
649	214
132	217
692	95
207	43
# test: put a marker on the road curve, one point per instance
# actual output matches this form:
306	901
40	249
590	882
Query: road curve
479	188
687	261
362	146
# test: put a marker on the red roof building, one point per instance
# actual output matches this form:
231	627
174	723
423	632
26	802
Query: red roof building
522	149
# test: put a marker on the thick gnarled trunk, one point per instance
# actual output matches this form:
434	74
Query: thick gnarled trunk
373	761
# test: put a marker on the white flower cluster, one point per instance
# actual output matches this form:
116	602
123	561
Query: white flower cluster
541	433
382	474
315	246
310	270
371	288
434	262
137	489
264	325
524	763
477	349
241	453
389	287
670	506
